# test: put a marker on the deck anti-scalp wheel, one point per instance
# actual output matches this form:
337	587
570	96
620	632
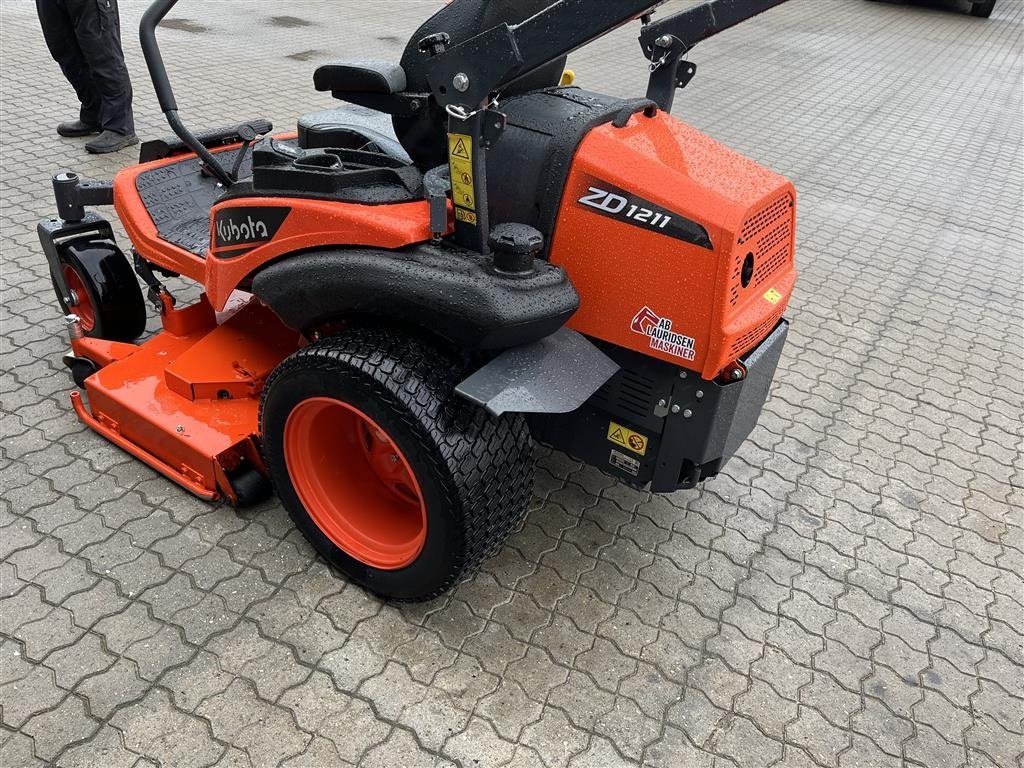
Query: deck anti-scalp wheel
104	292
397	481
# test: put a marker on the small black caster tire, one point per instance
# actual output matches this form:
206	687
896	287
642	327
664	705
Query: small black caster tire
106	296
249	486
397	481
81	370
983	10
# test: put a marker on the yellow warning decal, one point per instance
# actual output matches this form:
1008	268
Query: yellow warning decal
773	296
467	216
460	159
627	438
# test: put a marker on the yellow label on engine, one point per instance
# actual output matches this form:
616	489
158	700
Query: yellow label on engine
627	438
460	161
773	296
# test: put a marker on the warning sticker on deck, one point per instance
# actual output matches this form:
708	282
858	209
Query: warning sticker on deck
460	160
772	296
626	463
627	438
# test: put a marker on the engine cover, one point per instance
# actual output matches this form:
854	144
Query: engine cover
679	247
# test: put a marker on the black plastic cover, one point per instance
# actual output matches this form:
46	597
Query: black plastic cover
450	292
345	175
531	161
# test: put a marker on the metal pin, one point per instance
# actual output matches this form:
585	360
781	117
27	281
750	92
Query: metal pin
461	82
74	323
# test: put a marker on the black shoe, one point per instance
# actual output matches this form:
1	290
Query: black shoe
109	141
76	128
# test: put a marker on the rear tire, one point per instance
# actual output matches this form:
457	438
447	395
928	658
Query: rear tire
106	295
397	481
983	10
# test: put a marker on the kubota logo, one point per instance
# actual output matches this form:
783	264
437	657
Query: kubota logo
659	330
239	230
230	231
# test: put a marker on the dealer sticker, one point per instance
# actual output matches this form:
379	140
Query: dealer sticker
627	464
658	329
627	438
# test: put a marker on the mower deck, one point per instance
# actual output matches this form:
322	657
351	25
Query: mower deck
186	401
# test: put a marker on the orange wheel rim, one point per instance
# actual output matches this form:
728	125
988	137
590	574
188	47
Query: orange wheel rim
83	305
355	483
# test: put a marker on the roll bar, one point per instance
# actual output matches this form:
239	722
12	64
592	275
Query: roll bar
165	94
667	40
464	76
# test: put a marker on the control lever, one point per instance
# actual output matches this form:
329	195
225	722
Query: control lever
248	135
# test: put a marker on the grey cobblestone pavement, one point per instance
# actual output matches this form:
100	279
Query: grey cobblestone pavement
848	593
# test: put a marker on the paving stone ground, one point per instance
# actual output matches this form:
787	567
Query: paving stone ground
848	593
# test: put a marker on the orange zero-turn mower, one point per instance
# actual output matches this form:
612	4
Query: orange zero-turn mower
401	296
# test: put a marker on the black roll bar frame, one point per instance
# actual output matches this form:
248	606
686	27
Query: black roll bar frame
165	94
465	76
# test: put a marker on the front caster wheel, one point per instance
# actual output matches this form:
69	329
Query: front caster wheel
104	292
399	483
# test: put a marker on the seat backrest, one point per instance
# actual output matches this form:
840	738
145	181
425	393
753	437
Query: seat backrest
423	136
376	77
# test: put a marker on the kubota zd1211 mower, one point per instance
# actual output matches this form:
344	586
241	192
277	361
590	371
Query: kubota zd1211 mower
405	293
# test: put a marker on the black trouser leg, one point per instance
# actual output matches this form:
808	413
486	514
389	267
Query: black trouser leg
98	31
59	33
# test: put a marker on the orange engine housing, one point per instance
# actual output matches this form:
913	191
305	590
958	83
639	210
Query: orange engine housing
696	306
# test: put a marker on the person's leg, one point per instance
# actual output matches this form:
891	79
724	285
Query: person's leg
98	32
59	33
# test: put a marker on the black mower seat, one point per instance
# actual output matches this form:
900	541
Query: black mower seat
384	78
351	127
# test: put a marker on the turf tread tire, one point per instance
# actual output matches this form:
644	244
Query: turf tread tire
483	463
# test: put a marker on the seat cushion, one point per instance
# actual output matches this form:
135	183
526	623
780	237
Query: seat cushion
350	127
380	77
